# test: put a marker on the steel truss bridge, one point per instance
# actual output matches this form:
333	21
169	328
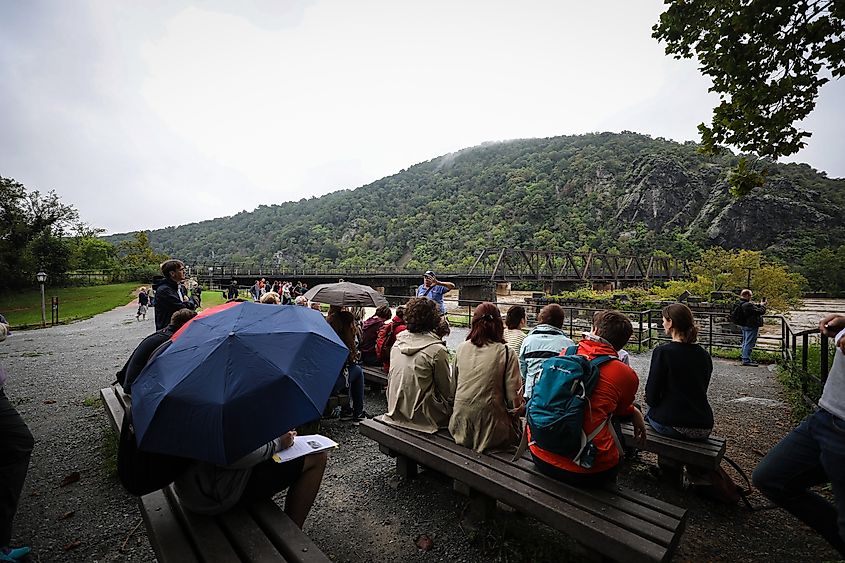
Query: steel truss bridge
491	266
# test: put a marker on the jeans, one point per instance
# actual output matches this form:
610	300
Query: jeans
749	339
356	388
16	445
812	454
662	429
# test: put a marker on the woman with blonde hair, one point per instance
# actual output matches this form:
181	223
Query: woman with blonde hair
487	381
676	389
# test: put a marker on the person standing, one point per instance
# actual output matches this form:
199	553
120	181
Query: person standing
749	317
16	444
814	454
143	301
434	289
169	296
233	290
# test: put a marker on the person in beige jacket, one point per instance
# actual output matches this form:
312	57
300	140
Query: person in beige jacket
420	393
488	401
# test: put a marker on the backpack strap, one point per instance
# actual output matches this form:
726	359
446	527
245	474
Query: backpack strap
744	492
549	332
571	350
541	354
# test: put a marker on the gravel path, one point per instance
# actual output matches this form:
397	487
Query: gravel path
363	512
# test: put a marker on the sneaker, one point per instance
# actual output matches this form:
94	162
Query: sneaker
346	415
9	554
359	417
750	364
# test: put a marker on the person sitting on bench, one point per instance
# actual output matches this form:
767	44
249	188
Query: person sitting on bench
676	389
206	488
369	335
487	382
613	395
419	389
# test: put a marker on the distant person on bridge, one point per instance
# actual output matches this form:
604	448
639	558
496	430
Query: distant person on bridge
169	296
749	317
814	454
434	289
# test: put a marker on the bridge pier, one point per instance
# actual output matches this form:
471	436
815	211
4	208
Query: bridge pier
470	295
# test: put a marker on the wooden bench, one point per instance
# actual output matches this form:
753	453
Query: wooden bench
258	531
706	454
620	524
375	375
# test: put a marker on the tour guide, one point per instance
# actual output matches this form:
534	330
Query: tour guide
434	289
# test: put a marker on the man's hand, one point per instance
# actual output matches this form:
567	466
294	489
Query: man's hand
287	439
638	422
831	325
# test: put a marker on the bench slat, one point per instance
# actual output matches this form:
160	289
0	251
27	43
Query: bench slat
374	374
246	536
113	408
634	512
207	537
634	516
707	455
595	532
285	535
165	532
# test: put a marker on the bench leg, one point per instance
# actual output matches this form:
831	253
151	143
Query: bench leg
406	467
480	508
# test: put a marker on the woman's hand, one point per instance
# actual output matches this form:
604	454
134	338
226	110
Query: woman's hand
287	439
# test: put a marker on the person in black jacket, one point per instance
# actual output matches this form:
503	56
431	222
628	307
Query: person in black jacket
676	389
136	362
750	320
169	296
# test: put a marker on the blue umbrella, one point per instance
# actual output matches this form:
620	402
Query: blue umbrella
235	378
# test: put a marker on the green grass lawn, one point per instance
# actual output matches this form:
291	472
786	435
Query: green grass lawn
23	308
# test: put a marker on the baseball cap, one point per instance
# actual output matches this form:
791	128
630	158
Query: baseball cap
429	274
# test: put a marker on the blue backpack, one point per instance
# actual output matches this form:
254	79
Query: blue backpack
555	411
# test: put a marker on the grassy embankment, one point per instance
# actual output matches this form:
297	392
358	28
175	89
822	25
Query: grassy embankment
23	308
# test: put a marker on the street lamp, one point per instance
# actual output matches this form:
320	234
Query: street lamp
42	277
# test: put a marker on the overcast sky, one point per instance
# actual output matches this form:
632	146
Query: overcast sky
148	114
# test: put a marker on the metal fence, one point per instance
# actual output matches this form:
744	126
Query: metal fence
716	331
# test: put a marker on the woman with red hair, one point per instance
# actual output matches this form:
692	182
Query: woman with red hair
486	375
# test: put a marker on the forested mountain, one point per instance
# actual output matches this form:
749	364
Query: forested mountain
612	192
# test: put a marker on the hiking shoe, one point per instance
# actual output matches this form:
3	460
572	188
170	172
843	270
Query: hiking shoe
750	364
9	554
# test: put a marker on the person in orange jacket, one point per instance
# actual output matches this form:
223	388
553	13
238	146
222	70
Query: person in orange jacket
613	395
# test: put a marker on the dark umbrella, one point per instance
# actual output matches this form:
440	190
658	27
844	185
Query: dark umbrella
347	294
234	379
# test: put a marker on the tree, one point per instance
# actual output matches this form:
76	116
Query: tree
767	61
136	255
32	226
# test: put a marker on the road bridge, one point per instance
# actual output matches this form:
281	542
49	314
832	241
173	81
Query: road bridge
556	271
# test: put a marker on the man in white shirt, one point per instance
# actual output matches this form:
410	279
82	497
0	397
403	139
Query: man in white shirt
813	454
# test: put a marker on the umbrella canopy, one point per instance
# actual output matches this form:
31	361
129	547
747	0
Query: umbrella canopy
234	379
346	293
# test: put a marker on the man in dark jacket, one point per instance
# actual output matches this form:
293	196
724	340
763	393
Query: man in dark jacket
750	319
136	362
169	297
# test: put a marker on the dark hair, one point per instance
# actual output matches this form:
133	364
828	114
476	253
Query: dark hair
170	266
400	312
421	315
343	324
487	325
443	328
614	327
180	317
683	322
516	315
383	312
552	314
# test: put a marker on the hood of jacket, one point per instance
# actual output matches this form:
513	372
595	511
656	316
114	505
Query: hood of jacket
409	343
593	348
159	281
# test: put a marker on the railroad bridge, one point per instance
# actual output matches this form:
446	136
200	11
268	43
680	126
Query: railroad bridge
556	271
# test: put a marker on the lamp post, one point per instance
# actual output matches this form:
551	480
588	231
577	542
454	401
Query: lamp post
42	277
